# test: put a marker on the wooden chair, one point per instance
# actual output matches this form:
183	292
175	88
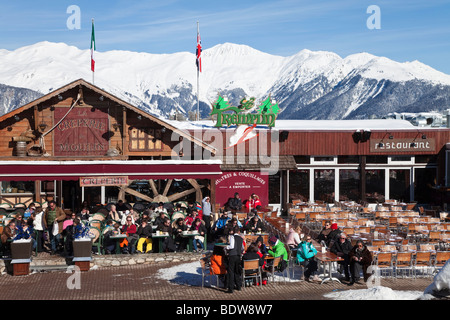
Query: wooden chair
251	269
272	268
426	247
422	261
434	236
403	262
378	242
388	248
439	261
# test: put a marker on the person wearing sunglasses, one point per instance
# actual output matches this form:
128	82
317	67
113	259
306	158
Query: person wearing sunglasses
342	248
305	256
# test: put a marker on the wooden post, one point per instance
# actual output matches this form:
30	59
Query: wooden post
124	132
37	191
363	178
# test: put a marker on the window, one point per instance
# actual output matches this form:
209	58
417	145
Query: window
299	185
324	185
348	159
349	185
375	185
274	188
145	139
376	159
399	184
323	160
400	160
302	159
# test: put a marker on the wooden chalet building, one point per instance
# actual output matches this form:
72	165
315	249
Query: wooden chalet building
81	143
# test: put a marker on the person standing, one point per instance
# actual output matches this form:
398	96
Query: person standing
54	214
234	270
207	211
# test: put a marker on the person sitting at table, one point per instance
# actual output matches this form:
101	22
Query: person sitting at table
325	232
160	219
178	228
360	259
342	248
31	209
293	237
234	204
190	217
168	244
199	240
218	263
231	227
143	217
253	202
278	249
305	256
219	226
125	216
333	236
255	225
128	244
114	214
252	254
8	234
160	208
261	246
111	228
121	206
145	237
84	214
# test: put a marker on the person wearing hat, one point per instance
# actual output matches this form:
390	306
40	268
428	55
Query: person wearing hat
278	249
255	225
333	236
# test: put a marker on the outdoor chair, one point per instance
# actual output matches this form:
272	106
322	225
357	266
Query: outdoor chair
422	261
252	270
439	261
404	262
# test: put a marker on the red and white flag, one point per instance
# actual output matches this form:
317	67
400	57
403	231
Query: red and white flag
92	47
199	51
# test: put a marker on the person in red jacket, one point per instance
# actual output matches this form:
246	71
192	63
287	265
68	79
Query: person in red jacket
253	202
129	243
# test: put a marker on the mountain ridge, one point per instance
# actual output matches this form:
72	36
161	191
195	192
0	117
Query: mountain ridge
307	85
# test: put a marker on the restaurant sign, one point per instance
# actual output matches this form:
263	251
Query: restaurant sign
113	181
228	115
403	145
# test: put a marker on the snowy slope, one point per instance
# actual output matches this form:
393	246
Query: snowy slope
307	85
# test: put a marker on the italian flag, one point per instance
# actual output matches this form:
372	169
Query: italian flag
92	47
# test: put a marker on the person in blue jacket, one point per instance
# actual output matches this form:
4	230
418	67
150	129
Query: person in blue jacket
305	257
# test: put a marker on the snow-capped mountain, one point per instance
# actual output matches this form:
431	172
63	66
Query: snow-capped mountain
307	85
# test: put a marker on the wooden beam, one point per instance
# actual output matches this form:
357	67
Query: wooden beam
138	194
153	186
181	194
166	189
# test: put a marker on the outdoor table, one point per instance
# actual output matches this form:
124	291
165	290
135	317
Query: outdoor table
329	258
118	238
190	235
160	236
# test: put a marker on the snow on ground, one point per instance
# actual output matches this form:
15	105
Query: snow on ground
191	274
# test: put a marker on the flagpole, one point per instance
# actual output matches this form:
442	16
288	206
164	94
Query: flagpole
198	83
93	72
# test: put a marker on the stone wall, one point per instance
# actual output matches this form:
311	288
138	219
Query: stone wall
50	263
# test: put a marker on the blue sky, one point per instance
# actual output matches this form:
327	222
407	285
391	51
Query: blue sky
410	30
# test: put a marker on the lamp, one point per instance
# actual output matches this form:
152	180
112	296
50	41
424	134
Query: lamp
116	126
42	126
424	136
101	98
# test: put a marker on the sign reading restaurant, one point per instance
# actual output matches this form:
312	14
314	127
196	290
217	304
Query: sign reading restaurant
113	181
403	145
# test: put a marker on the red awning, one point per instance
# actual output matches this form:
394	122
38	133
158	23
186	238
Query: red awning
135	170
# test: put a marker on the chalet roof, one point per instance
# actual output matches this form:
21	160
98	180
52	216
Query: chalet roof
82	82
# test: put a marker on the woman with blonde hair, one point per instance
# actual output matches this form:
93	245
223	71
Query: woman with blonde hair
293	238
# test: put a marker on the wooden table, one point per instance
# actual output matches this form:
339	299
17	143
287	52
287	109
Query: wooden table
328	258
